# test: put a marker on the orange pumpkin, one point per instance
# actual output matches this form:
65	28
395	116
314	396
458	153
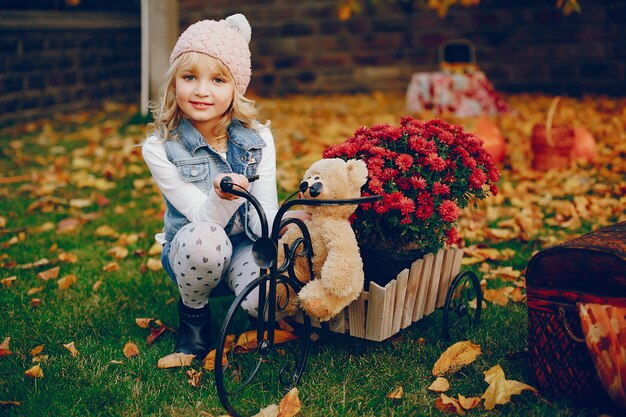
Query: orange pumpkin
494	143
585	147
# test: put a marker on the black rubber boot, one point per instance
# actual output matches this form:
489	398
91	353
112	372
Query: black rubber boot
194	330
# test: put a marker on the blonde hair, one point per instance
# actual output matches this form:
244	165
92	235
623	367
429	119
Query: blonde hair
166	113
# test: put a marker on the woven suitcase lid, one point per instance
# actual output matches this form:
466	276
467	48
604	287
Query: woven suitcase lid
594	263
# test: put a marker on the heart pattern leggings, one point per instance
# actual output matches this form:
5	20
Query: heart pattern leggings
202	255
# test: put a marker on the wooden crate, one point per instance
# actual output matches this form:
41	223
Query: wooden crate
382	312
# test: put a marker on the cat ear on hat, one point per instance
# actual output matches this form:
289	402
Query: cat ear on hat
239	22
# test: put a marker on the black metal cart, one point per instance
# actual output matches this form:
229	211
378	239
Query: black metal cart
251	351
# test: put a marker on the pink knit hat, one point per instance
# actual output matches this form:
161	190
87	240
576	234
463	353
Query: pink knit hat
226	40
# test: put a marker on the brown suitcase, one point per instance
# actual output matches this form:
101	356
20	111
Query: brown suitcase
588	269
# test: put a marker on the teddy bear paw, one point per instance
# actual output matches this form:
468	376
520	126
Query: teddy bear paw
315	308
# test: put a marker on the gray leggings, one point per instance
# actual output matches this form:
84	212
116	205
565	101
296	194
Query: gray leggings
201	255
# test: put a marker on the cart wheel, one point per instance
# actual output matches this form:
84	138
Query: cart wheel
457	313
252	375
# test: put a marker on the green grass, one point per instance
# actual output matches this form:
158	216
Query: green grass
344	377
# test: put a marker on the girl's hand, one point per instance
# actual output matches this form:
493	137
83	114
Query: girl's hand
237	179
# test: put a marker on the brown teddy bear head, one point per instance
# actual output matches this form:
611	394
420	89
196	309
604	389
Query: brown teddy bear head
331	179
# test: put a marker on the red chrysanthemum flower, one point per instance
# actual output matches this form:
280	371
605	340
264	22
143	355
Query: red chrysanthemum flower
404	162
419	183
425	171
406	205
449	211
440	189
477	179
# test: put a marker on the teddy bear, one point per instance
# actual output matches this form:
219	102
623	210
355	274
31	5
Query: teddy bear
337	265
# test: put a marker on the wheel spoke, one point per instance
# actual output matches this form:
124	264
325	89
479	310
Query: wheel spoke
256	369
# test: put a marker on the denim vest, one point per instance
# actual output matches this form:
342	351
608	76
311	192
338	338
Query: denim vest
198	164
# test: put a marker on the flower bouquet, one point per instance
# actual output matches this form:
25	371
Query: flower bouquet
427	172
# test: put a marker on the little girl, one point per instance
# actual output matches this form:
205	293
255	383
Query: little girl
204	129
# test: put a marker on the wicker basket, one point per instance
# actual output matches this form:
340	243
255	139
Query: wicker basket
551	144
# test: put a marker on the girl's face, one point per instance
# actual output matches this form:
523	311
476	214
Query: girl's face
203	92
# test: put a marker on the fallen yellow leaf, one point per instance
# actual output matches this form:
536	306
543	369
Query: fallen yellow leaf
130	350
195	377
175	360
35	372
48	274
4	347
247	341
143	323
396	394
70	346
439	385
6	282
67	281
96	285
155	249
37	350
500	389
154	264
118	252
34	290
469	403
106	231
35	302
455	357
269	411
290	405
111	266
449	405
67	257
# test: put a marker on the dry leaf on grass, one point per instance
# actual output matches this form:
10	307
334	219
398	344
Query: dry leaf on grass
34	290
154	264
439	385
130	350
111	266
48	274
269	411
500	389
156	332
290	405
455	357
67	257
66	282
144	323
396	394
469	403
106	231
36	350
4	347
7	282
449	405
35	372
175	360
10	403
155	249
118	252
70	346
247	341
195	378
209	360
35	302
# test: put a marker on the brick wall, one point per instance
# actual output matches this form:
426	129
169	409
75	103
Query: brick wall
301	46
65	61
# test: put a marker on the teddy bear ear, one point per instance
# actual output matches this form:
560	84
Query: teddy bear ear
357	172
